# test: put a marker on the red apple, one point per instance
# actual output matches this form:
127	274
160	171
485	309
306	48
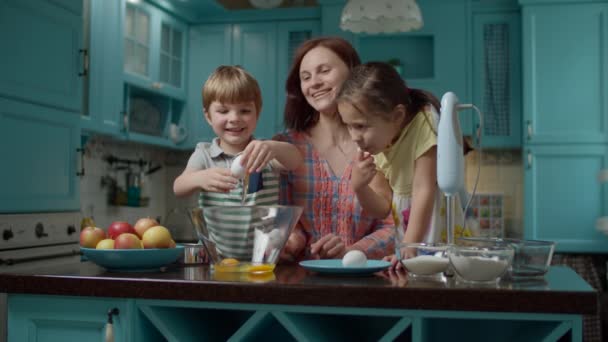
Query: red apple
127	241
119	227
144	224
157	237
90	236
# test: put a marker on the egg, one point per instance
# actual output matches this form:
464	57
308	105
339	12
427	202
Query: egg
354	258
236	168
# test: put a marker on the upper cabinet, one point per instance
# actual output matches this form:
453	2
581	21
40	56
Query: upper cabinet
565	82
154	49
43	59
264	49
42	67
496	74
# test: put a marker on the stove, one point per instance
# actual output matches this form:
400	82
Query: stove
36	241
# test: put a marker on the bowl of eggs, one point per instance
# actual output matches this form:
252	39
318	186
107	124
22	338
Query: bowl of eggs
423	259
244	238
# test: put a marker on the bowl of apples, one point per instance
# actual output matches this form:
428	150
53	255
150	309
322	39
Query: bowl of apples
144	247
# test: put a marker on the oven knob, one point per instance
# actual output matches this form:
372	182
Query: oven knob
71	229
39	230
7	234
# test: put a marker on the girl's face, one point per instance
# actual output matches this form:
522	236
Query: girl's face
373	133
322	73
233	123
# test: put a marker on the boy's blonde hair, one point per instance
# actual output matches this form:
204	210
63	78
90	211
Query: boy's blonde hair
231	84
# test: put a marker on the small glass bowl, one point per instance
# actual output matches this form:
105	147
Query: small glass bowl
531	258
478	264
423	259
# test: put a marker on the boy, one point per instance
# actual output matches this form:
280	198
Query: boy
232	102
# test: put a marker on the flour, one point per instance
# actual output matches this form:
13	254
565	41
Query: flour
425	264
478	268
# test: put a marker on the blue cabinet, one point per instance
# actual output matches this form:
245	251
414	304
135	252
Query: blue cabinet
565	106
496	76
48	318
154	49
40	102
42	58
263	49
565	97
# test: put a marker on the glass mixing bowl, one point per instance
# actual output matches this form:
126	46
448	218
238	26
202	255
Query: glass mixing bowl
244	238
480	264
423	259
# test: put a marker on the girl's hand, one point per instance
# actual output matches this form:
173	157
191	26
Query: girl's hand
328	247
396	265
216	180
364	170
257	155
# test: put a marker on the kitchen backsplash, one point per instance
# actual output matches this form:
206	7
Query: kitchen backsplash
501	173
157	186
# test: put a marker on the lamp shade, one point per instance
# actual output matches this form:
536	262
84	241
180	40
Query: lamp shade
381	16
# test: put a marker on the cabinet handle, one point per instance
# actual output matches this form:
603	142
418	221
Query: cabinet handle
125	121
529	166
529	126
85	62
81	172
157	85
109	328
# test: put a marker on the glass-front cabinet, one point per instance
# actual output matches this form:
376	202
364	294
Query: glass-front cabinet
154	50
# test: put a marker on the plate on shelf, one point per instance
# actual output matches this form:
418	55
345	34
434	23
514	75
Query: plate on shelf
133	260
334	266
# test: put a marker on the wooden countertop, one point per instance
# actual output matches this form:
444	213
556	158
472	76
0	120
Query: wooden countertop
561	291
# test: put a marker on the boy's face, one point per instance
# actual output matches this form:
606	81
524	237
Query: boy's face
233	123
372	133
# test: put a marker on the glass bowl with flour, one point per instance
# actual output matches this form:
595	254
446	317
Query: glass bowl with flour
423	259
478	264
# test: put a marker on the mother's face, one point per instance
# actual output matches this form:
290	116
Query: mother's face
322	74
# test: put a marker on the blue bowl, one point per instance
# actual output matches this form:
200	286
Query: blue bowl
133	260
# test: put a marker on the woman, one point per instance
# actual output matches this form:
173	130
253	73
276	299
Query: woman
332	222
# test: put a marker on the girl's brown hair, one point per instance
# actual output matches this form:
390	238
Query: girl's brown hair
380	88
231	84
299	115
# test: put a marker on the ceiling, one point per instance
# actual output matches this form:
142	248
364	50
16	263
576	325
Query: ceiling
192	9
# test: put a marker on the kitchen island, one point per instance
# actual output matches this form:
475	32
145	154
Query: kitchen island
178	303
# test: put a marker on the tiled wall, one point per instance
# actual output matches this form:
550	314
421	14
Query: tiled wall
501	172
158	186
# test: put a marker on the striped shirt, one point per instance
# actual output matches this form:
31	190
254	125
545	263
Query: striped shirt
330	205
232	230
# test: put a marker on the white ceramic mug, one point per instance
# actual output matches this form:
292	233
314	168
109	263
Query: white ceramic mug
177	133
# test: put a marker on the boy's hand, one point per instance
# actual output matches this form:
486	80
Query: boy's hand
364	170
217	180
257	155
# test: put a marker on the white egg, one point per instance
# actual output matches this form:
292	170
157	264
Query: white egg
354	258
236	168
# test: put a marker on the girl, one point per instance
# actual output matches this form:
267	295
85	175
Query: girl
395	129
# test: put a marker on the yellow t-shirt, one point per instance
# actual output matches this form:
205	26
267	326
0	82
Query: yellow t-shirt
397	162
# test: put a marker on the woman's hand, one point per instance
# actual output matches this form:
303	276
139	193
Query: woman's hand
293	247
395	264
364	170
257	155
216	180
328	247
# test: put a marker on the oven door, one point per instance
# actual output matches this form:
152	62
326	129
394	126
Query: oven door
30	260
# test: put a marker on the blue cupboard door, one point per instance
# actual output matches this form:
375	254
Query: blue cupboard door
172	54
105	92
496	79
255	50
41	58
563	198
210	46
48	318
290	35
565	80
39	147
